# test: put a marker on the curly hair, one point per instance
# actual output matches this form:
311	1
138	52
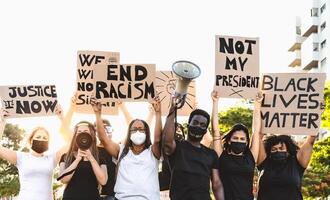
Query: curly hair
290	144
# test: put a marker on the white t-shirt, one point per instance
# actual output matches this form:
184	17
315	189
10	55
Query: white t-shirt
137	177
35	176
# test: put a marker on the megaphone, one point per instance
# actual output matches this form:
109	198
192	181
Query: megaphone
84	141
186	72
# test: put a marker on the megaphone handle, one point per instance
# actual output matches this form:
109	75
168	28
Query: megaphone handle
180	104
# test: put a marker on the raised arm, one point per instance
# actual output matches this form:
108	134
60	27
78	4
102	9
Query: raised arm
151	114
111	147
127	114
5	153
158	127
256	131
66	120
304	154
169	129
217	143
66	134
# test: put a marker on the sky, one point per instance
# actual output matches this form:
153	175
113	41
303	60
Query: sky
39	41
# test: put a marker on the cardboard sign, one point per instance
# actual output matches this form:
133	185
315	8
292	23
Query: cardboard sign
125	82
29	100
236	66
292	103
165	87
87	62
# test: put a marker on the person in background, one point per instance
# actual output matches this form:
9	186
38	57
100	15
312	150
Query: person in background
36	167
107	191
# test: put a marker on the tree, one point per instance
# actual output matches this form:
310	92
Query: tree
316	182
326	113
235	115
9	183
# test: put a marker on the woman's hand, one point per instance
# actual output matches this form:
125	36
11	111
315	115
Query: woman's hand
156	104
97	106
3	114
215	96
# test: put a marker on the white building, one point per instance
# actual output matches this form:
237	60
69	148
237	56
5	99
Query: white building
311	45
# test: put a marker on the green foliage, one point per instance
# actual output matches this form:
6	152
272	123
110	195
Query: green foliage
316	183
233	116
326	114
9	183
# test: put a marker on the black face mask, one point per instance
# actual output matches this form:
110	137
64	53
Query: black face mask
279	156
196	133
237	147
39	146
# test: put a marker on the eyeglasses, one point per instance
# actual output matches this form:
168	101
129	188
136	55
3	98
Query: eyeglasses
135	130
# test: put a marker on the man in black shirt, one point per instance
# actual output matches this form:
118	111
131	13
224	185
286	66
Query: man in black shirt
194	165
107	192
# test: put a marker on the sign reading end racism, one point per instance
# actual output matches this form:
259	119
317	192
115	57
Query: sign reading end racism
292	103
87	62
29	100
125	82
165	87
236	66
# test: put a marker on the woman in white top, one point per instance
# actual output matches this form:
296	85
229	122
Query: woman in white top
35	168
137	175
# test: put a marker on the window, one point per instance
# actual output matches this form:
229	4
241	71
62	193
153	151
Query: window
323	44
323	62
323	8
315	46
314	12
323	26
298	30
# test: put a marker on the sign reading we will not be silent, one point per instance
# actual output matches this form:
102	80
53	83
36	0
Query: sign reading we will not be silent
125	82
292	103
236	66
87	62
29	100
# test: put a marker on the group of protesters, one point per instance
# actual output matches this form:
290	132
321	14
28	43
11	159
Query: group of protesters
190	167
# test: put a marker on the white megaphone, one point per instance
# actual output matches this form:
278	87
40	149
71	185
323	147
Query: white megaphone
185	71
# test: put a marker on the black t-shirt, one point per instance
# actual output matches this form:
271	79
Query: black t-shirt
280	180
164	176
192	170
107	189
236	174
83	184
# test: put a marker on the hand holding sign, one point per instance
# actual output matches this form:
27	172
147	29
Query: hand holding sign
96	105
215	96
3	114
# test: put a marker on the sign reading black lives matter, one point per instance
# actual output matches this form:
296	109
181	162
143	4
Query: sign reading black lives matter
236	66
88	61
125	82
29	100
292	103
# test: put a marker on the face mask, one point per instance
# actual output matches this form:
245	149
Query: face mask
39	146
108	130
279	155
138	138
237	147
196	133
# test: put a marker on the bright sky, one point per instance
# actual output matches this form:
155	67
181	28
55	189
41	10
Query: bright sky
39	40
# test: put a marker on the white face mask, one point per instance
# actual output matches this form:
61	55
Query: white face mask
138	137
